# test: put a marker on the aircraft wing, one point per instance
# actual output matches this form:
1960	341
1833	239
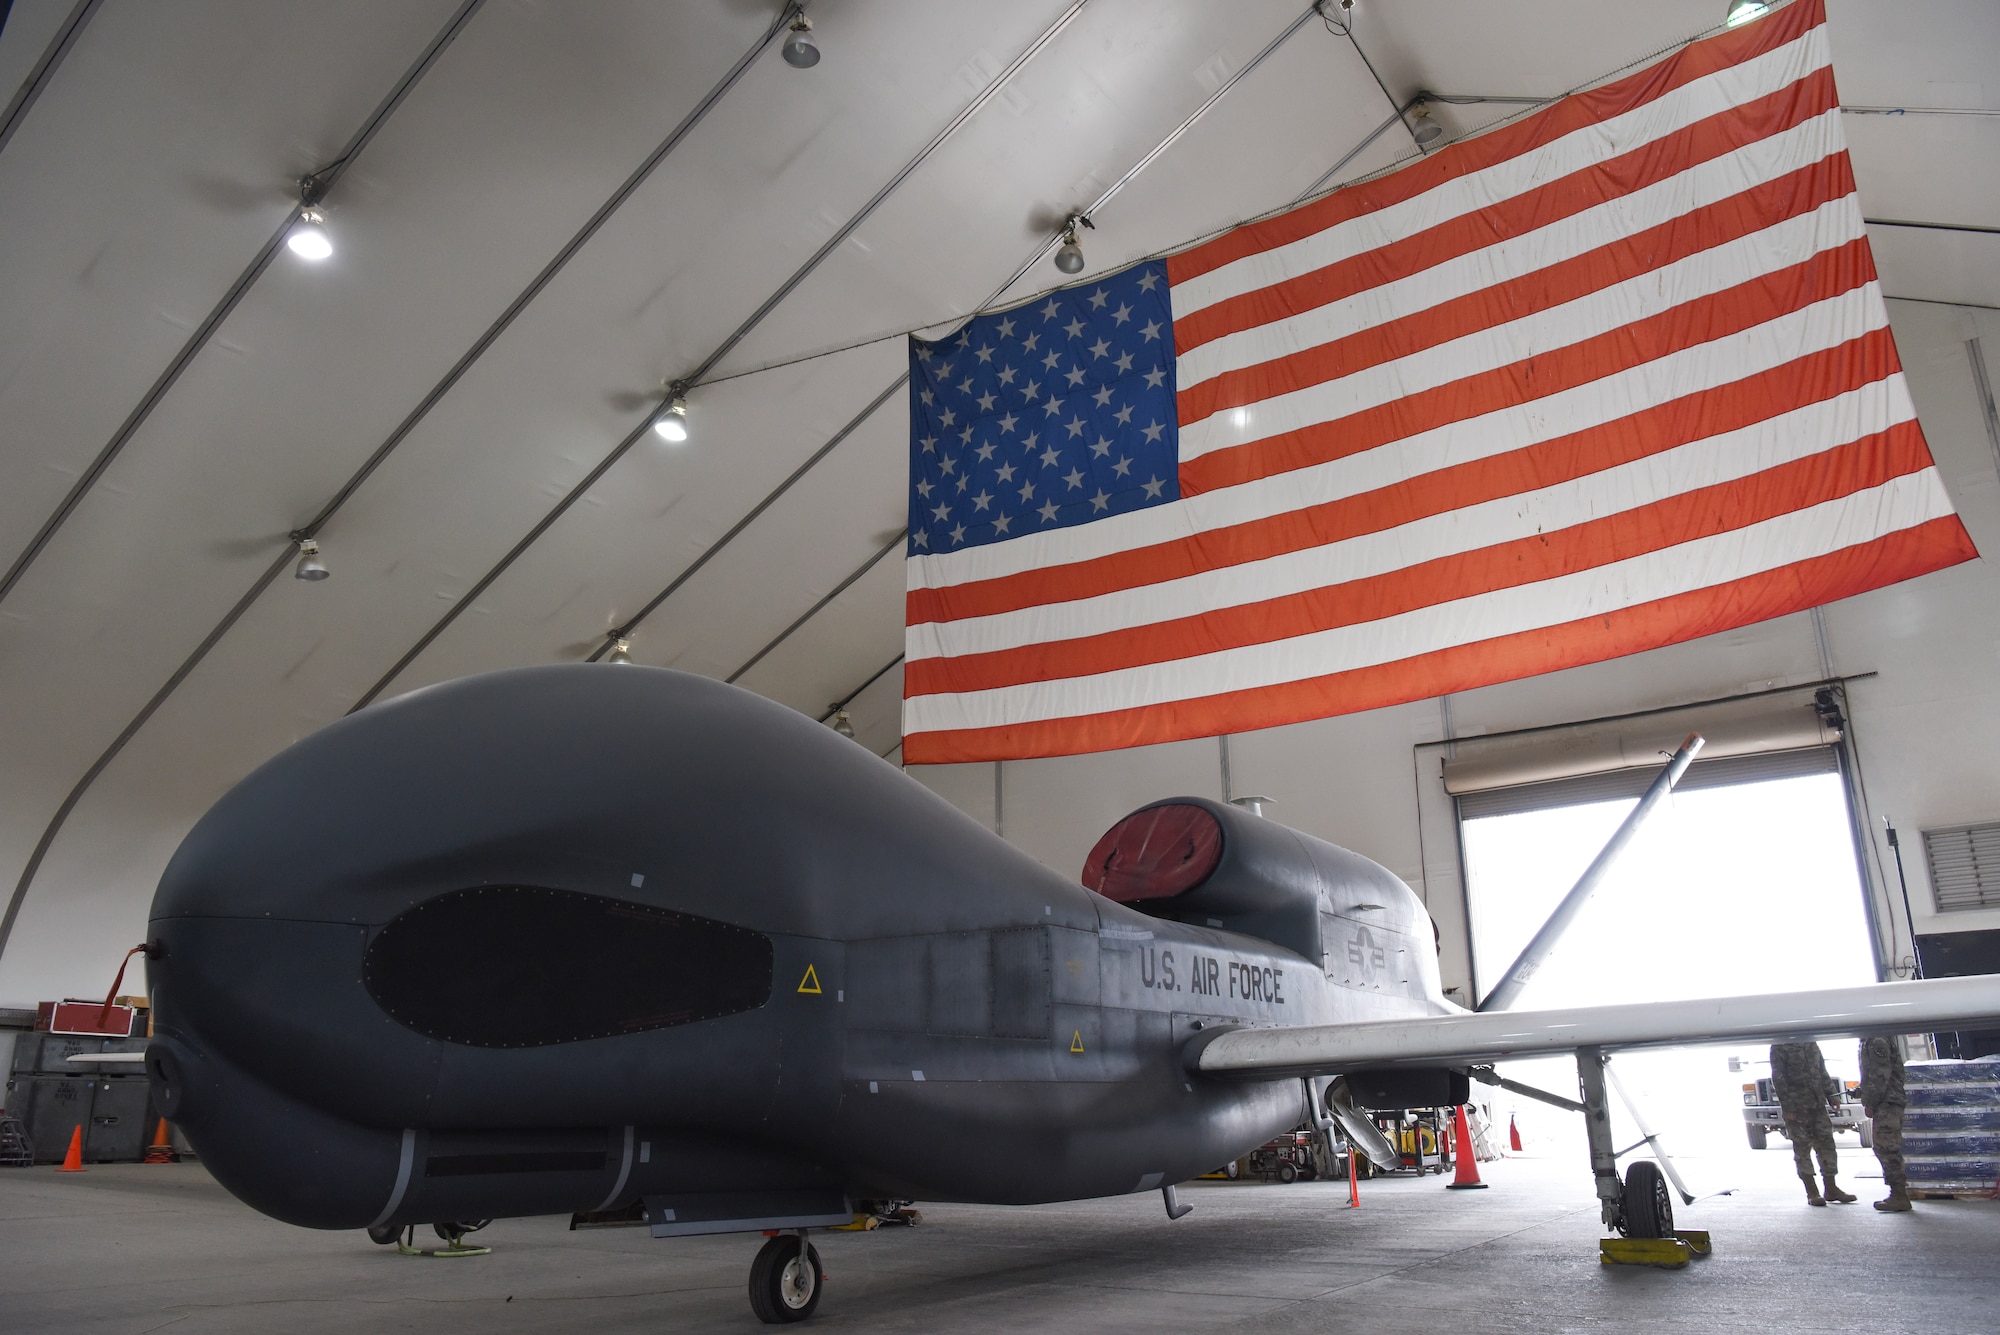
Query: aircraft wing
1471	1036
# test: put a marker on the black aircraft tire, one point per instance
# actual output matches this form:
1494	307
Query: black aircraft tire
1759	1137
385	1234
1649	1206
782	1290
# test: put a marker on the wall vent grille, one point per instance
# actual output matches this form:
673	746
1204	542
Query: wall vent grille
1965	866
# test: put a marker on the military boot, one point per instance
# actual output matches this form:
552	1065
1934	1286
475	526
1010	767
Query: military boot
1836	1195
1896	1202
1812	1192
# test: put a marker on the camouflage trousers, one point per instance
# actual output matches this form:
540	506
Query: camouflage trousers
1814	1131
1889	1143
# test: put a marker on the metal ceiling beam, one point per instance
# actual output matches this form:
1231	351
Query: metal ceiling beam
139	720
323	180
713	548
590	479
1144	162
549	271
624	629
999	292
45	69
855	694
820	606
1931	226
326	512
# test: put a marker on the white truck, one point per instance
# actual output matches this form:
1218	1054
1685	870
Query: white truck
1762	1116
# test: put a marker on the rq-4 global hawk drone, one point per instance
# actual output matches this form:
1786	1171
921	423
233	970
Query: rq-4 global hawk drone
581	940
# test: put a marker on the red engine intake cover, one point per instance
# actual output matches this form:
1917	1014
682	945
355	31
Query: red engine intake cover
1155	854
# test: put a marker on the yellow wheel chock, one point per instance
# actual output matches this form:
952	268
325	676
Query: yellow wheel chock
1666	1253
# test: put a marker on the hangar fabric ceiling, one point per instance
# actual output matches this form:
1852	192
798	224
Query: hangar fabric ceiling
547	219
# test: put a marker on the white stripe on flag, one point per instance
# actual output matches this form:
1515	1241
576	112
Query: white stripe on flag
1710	95
1728	457
1627	215
1639	297
1693	370
1801	535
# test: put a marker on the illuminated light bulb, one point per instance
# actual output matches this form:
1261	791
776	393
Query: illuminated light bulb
621	652
671	425
308	240
1742	11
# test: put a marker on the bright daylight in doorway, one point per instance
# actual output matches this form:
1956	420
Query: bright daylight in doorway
1725	891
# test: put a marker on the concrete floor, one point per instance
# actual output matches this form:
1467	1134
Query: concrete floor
130	1249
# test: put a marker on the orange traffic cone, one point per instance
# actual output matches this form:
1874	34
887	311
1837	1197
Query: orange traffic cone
162	1148
1466	1162
73	1161
1513	1135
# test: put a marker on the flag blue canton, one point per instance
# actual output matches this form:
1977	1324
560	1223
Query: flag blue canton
1047	415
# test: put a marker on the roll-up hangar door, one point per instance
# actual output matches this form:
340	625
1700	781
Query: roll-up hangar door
1746	881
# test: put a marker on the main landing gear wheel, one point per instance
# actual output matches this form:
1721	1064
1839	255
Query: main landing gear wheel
785	1280
385	1234
1648	1207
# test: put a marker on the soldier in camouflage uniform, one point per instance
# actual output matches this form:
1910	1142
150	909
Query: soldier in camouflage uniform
1882	1098
1805	1091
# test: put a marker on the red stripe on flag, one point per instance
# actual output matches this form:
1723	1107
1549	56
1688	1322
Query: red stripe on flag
1572	113
1897	556
1703	320
1764	206
1685	517
1531	211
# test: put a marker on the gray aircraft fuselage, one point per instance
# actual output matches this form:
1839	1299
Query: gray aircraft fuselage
553	939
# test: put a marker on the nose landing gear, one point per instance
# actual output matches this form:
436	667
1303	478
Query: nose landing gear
785	1279
453	1234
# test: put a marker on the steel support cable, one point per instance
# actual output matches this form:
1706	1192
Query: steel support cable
590	479
1345	28
321	182
1173	137
1179	130
44	71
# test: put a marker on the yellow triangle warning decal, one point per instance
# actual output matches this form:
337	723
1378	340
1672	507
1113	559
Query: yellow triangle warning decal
1076	1041
809	983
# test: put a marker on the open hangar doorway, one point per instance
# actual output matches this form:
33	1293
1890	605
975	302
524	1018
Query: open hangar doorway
1744	880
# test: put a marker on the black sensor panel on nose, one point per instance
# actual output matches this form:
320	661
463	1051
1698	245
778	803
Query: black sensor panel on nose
522	966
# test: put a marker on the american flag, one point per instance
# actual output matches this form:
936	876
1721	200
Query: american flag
1612	376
